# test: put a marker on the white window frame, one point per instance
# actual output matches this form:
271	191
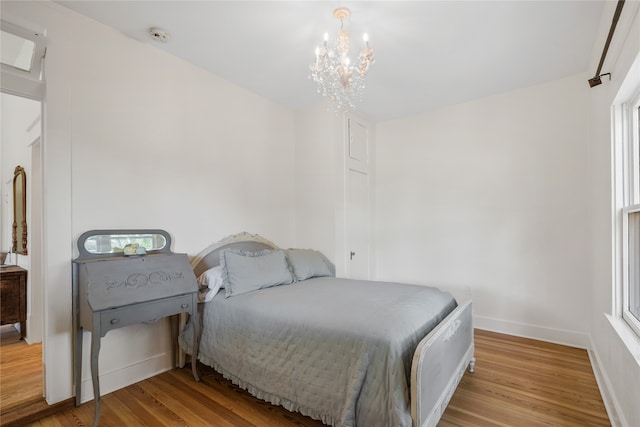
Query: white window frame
628	253
20	82
626	137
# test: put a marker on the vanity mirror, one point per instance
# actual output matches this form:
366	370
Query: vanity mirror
113	242
19	228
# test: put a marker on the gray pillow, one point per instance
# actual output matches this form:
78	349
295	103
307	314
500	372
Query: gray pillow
308	263
248	271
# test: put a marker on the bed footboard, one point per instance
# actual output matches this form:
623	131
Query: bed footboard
439	363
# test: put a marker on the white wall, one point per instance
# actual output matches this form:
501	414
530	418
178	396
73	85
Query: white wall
138	138
490	198
317	151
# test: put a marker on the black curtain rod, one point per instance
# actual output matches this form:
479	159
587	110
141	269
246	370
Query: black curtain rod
596	80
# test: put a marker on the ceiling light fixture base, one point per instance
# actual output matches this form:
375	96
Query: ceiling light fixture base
341	13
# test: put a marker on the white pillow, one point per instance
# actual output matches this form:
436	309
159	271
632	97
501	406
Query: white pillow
206	295
212	279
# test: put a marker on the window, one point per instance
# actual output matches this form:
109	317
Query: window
631	218
21	50
627	148
21	61
631	300
16	51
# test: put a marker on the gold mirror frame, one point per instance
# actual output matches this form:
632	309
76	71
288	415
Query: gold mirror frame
19	228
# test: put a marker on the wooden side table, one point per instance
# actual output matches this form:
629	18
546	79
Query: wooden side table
13	297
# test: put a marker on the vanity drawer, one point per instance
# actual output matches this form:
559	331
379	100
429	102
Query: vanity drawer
150	311
10	299
13	297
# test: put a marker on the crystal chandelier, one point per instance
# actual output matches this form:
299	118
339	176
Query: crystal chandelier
337	77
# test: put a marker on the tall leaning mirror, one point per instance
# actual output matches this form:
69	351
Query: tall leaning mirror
19	230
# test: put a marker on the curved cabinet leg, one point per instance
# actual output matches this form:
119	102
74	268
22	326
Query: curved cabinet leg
78	365
95	350
195	319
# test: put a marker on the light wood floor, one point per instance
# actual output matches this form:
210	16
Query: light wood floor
523	382
517	382
20	371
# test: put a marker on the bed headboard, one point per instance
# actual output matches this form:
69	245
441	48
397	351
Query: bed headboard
210	257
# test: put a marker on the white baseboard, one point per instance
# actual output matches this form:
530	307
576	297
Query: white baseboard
610	402
558	336
125	376
34	335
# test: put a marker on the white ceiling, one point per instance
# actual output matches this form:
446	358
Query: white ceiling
428	53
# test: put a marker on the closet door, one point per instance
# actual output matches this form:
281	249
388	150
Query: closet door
358	200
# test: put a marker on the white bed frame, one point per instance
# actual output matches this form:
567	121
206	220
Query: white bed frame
440	359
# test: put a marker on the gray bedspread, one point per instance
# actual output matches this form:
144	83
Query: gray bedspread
338	350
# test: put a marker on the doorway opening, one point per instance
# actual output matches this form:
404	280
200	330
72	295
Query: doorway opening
22	292
21	217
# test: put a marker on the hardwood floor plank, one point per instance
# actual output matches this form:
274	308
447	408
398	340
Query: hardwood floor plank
198	402
239	401
124	414
517	382
149	410
515	409
180	405
542	387
20	371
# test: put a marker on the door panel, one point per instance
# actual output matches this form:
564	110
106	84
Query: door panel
357	193
358	224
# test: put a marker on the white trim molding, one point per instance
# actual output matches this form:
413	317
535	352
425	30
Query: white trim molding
542	333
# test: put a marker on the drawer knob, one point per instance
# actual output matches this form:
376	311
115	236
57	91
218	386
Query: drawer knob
114	321
185	305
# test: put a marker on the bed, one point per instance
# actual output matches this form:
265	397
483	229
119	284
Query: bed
347	352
